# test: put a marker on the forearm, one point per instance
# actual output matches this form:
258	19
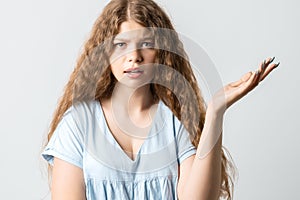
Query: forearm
204	179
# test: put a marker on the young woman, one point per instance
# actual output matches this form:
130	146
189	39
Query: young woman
132	123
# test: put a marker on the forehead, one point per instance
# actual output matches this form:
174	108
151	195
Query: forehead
130	30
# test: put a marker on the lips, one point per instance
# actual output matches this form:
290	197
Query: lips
133	70
133	73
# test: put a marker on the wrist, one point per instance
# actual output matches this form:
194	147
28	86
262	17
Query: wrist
214	118
214	111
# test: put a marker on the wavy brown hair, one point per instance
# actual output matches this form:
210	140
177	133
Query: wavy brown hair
92	78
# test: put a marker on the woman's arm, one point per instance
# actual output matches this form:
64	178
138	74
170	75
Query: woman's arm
201	178
67	181
200	175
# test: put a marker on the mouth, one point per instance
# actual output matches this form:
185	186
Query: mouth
133	71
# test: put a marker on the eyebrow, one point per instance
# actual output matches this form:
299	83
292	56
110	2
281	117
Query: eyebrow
126	39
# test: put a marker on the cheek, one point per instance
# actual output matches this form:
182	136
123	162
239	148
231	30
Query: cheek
116	68
150	56
114	58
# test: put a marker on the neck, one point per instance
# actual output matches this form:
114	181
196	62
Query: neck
133	99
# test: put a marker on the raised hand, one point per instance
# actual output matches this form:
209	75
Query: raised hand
234	91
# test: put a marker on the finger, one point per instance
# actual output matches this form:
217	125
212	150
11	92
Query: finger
249	84
263	66
254	82
234	94
269	70
269	60
256	79
262	69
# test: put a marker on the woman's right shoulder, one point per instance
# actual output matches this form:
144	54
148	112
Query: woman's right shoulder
82	112
82	107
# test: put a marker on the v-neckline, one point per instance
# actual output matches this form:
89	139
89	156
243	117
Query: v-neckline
112	138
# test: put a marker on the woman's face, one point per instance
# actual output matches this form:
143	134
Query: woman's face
133	55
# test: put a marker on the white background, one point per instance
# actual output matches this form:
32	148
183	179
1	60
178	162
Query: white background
41	40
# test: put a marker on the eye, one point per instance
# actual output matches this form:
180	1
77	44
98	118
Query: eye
147	44
119	44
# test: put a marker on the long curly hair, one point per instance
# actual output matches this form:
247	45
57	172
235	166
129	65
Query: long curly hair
92	77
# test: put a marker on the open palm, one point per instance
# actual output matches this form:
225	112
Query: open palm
234	91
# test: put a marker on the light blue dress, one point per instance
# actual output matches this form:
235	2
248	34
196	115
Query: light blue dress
83	139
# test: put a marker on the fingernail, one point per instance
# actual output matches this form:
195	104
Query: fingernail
263	65
277	65
272	59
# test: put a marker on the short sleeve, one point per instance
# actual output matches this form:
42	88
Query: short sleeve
185	148
66	142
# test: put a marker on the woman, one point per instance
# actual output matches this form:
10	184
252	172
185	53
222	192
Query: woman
129	123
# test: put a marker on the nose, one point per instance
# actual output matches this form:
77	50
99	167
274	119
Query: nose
135	56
